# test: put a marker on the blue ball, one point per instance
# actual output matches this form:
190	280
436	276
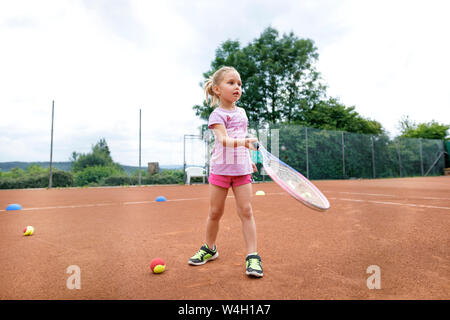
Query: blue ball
14	206
160	199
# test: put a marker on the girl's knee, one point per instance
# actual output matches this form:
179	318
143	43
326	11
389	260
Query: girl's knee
215	213
245	212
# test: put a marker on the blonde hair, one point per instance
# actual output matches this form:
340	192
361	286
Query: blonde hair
215	79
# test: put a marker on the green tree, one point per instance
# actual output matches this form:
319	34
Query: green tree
333	115
74	156
426	130
94	175
278	75
34	169
99	157
16	173
281	84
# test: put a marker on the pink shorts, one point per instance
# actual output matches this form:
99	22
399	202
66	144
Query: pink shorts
228	181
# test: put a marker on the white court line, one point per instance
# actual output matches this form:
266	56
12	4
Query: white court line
385	195
410	205
104	204
365	194
230	196
354	200
67	207
71	206
394	203
434	198
121	203
169	200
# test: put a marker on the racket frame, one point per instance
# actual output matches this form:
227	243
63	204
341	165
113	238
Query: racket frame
266	154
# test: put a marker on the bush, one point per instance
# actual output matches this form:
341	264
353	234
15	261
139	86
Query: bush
62	179
93	175
165	177
160	179
117	180
90	176
59	179
16	173
8	183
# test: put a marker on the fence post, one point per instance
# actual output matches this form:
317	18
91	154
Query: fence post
373	158
399	158
184	159
307	158
140	120
343	155
421	158
50	179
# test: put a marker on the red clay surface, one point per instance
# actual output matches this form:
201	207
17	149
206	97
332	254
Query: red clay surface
112	234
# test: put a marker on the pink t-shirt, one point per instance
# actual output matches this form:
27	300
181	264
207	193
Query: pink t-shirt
230	161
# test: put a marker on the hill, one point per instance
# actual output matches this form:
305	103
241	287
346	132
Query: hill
66	166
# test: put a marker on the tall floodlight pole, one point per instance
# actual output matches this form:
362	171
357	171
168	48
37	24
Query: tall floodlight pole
50	182
140	118
184	159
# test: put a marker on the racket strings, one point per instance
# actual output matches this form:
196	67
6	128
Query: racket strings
299	186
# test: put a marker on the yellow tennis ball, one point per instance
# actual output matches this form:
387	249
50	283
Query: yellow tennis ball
28	231
157	265
159	269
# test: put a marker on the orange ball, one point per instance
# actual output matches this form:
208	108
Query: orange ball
157	265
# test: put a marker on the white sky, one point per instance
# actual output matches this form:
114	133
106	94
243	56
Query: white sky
103	60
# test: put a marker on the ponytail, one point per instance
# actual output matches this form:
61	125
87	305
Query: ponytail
209	92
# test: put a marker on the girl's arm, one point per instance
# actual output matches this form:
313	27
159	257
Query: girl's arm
221	134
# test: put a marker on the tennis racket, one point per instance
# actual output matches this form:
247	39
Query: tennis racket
292	181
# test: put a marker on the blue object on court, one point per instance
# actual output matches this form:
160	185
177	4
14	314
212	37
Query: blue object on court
14	206
160	199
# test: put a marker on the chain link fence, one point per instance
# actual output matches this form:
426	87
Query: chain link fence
326	154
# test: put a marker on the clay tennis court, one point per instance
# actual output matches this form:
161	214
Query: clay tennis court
400	225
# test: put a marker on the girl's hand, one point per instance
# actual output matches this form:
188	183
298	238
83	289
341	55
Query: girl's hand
250	143
255	169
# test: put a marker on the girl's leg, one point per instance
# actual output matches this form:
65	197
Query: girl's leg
243	196
218	196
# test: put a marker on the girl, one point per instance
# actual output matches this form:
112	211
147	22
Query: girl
230	167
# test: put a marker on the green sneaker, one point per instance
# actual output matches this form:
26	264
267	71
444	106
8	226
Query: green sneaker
203	255
253	265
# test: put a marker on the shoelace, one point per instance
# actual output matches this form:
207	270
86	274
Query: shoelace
254	264
200	253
